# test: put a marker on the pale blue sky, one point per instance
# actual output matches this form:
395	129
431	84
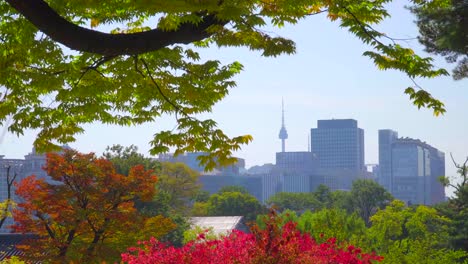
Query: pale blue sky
327	78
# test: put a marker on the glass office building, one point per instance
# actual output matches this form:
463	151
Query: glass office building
386	139
338	144
410	169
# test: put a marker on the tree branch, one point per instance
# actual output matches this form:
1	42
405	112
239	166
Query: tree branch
41	15
46	225
177	108
8	201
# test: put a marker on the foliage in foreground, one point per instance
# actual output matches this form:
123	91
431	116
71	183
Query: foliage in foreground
86	214
135	74
272	244
399	233
197	233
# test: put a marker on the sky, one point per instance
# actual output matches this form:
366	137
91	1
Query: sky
327	78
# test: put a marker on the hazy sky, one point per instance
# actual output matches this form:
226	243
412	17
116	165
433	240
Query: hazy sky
327	78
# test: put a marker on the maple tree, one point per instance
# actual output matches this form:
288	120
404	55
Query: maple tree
85	213
174	189
136	73
272	244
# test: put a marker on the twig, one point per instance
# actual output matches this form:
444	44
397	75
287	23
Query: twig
174	105
364	28
94	67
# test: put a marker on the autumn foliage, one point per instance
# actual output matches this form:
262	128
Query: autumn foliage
273	244
86	213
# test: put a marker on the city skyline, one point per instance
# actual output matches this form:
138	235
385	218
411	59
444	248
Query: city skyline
279	147
307	148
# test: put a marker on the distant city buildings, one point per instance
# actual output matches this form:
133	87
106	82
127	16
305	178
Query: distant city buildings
410	168
212	181
295	170
253	184
339	146
191	160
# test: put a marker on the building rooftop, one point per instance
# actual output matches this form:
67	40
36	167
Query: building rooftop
336	123
220	224
408	140
8	244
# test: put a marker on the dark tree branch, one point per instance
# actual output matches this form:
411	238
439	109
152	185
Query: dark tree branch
94	67
8	201
44	71
46	225
41	15
463	171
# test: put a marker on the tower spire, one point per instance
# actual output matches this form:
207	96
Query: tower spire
282	112
283	134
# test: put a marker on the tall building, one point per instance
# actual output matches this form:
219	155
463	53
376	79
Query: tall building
386	138
411	169
338	144
283	134
339	147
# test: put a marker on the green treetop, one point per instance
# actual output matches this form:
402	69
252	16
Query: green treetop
136	73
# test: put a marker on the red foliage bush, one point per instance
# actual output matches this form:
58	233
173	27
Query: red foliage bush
270	245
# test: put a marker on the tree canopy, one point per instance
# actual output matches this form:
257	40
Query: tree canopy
294	201
443	31
124	158
179	183
411	235
85	213
234	204
59	72
367	197
233	188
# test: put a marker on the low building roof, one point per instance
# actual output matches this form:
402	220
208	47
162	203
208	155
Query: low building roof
8	244
220	224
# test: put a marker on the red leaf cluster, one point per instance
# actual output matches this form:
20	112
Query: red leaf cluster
267	246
